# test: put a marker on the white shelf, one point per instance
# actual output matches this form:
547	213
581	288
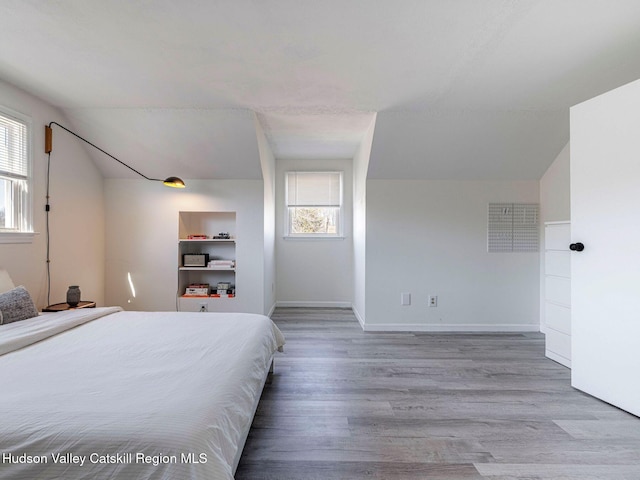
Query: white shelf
202	297
206	223
205	269
207	240
213	304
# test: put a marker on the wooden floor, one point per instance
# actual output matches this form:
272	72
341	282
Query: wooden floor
345	404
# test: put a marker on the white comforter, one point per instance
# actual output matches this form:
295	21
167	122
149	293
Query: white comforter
129	395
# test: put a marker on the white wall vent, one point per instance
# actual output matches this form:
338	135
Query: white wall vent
513	227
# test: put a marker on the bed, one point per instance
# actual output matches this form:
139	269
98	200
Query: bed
109	394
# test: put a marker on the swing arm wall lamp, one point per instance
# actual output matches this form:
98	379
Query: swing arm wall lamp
174	182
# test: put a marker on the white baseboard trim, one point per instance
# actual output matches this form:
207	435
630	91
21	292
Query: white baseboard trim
314	304
558	358
457	328
358	316
271	310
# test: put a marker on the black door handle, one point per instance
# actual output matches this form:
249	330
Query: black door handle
576	247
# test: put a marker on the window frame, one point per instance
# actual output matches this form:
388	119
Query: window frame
22	207
340	209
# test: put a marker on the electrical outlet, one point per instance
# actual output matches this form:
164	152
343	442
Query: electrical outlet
204	307
433	300
405	299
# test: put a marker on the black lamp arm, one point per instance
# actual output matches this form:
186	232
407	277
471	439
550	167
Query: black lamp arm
48	148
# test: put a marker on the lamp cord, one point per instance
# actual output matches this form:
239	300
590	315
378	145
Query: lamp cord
47	208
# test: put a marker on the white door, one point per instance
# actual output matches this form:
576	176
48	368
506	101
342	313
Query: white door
605	217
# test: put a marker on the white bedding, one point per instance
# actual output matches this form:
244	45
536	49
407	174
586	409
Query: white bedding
129	395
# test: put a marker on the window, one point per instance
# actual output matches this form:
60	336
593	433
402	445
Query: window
15	177
314	204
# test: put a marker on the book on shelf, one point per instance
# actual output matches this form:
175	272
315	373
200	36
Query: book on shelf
224	290
222	264
197	290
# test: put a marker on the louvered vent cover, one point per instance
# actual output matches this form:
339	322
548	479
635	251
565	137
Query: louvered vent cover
513	227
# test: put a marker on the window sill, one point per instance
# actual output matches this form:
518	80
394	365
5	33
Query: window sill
313	237
17	237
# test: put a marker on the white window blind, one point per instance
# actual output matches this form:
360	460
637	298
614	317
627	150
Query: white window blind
14	159
313	204
16	192
314	189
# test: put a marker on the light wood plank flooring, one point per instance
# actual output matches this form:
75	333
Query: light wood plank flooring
344	404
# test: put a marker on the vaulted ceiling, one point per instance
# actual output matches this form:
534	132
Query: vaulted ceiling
464	89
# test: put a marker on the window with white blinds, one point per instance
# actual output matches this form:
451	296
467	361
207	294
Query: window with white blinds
314	204
15	173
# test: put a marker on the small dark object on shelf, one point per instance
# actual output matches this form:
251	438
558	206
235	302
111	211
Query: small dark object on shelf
73	295
222	236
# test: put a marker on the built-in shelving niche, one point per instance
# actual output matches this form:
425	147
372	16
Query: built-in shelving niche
210	224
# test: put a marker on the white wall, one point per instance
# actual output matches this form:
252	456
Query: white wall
76	217
430	238
314	272
360	169
268	164
555	194
555	206
142	238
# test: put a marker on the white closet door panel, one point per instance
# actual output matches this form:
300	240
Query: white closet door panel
557	263
558	317
558	290
557	237
560	345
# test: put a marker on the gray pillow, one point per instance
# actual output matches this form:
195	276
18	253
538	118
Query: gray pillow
16	305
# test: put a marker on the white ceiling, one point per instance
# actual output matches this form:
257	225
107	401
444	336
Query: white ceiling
464	89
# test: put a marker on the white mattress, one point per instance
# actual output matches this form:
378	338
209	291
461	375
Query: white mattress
129	395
